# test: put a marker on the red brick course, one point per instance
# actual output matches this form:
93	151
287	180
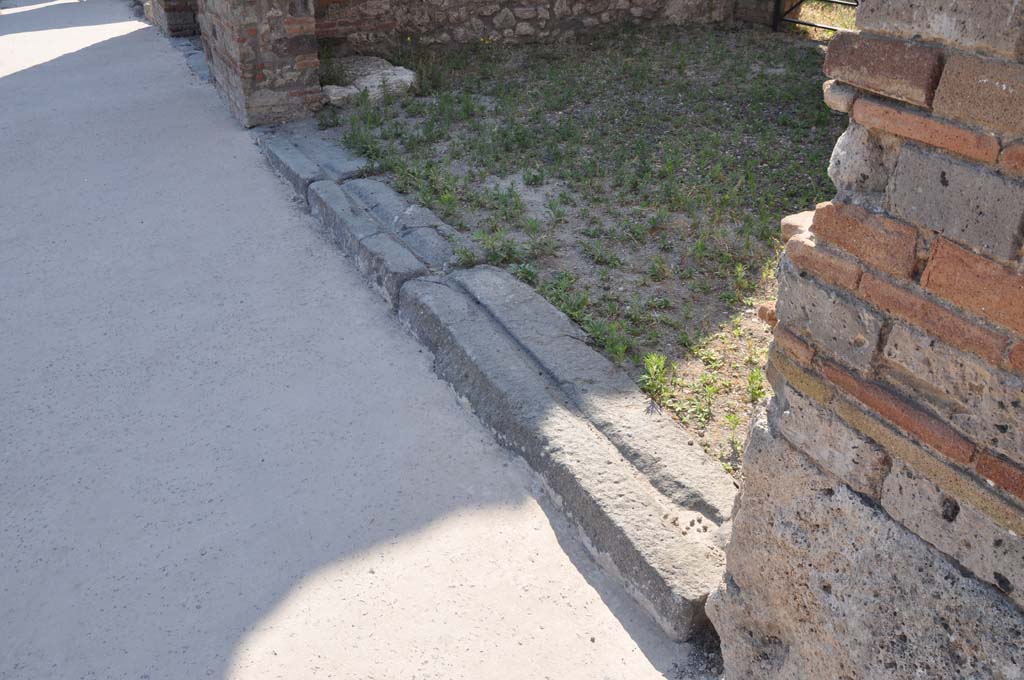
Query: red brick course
883	243
766	313
792	225
924	427
900	70
1004	475
1015	359
952	328
977	284
806	255
923	128
796	348
1011	161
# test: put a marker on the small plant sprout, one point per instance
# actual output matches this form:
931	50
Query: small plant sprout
756	384
656	380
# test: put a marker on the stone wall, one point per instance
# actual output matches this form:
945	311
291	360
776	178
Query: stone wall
263	56
374	25
174	17
879	531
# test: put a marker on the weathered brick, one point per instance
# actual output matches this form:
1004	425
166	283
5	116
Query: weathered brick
840	326
804	253
964	202
836	447
949	478
957	528
1011	160
900	70
993	25
881	242
796	348
838	96
1015	359
791	225
924	427
921	127
766	313
982	91
935	319
983	402
977	284
1004	475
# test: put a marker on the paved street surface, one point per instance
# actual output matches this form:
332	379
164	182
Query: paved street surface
219	455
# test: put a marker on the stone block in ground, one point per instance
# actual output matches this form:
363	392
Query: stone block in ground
344	220
389	206
429	246
989	551
418	227
384	260
840	325
387	264
290	162
655	443
667	558
373	75
964	202
321	146
349	220
821	584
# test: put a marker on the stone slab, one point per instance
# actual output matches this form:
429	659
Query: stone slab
654	442
290	162
335	161
964	202
387	264
345	221
384	260
666	557
430	247
389	206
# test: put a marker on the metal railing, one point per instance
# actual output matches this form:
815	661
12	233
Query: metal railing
781	16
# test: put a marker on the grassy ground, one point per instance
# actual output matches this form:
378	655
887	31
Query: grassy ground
636	181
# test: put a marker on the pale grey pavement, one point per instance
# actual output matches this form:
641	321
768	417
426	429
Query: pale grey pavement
220	457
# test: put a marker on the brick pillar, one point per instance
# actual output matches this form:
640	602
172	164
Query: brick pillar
173	17
263	56
879	534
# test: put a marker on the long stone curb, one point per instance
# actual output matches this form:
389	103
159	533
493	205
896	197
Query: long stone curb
650	439
649	505
632	532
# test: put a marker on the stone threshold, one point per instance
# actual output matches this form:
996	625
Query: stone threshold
649	504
